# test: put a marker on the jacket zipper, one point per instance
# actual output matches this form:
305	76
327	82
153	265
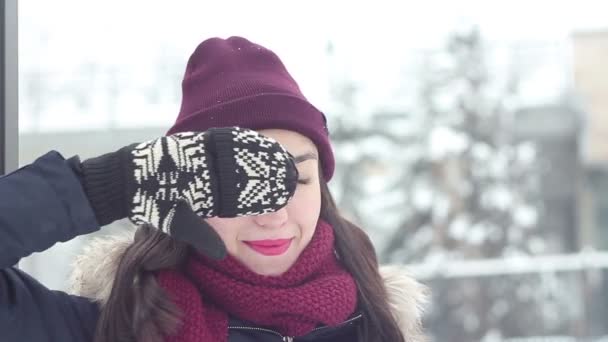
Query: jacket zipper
288	338
345	322
283	338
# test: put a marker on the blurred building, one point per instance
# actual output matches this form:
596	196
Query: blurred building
590	51
555	131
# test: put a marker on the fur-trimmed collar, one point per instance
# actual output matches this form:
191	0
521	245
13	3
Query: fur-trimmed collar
94	271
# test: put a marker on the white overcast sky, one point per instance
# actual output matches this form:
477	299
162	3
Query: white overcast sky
372	37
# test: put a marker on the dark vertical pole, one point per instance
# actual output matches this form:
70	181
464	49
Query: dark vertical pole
9	86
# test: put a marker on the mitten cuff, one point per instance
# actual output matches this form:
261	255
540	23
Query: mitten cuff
221	147
104	183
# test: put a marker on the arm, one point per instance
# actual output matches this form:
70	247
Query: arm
170	182
41	204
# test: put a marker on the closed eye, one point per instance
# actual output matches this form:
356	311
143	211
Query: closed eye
305	157
304	181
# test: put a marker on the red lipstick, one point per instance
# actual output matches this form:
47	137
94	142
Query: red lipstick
270	247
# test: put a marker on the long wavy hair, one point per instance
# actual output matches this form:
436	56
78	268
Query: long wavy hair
139	310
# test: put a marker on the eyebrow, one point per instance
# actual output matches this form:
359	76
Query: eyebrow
304	157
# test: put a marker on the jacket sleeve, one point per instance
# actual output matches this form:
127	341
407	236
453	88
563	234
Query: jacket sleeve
41	204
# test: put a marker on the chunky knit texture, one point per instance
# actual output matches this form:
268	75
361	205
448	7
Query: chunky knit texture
315	291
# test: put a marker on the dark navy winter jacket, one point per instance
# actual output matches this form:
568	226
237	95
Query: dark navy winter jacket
42	204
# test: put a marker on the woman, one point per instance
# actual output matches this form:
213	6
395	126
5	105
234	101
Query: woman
293	272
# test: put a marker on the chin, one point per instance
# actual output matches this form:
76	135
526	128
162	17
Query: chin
269	267
270	273
269	270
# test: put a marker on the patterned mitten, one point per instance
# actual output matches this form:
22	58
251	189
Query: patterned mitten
175	181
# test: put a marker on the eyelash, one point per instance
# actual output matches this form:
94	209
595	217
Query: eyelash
304	181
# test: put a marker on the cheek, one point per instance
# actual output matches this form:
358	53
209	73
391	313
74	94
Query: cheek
305	206
227	229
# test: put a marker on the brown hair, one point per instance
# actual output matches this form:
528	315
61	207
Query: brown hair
138	309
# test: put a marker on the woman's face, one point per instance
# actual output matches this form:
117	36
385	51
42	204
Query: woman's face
269	244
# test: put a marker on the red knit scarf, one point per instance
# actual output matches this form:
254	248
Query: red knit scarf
315	291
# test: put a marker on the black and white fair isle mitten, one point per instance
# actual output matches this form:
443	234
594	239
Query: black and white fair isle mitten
174	181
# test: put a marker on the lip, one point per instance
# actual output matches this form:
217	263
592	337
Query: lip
270	247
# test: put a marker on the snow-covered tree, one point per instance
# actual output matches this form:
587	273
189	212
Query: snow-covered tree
447	179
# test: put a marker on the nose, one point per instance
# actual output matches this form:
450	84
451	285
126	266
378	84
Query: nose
275	219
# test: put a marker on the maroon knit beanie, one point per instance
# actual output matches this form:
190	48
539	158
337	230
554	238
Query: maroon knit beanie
234	82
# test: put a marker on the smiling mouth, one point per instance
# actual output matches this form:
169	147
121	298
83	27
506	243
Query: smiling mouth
270	247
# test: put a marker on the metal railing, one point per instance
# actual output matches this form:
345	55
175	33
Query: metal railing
514	265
